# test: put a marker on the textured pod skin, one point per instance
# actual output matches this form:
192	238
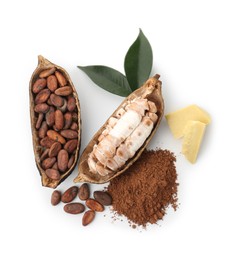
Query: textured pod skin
150	90
44	64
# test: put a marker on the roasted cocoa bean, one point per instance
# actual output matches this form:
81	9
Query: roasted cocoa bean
74	208
83	192
39	84
94	205
71	145
42	96
46	73
50	119
48	163
41	108
46	142
55	197
62	160
39	120
88	217
52	83
53	135
61	79
54	149
70	134
59	120
71	161
69	194
53	174
64	91
43	130
71	103
57	101
68	120
103	197
44	155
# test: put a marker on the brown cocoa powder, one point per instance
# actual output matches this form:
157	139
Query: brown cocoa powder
146	189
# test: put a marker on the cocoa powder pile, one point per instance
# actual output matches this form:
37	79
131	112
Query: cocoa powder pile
147	188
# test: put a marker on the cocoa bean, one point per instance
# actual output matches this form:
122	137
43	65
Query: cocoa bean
94	205
70	194
54	149
46	73
64	91
53	135
74	126
44	155
49	102
71	161
62	160
55	197
64	107
41	108
48	163
68	120
71	145
61	79
53	174
46	142
88	217
57	101
42	96
71	103
55	166
59	120
50	119
103	197
70	134
83	193
43	130
39	84
52	83
74	208
39	120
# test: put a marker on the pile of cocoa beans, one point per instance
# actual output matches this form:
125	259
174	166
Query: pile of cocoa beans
96	204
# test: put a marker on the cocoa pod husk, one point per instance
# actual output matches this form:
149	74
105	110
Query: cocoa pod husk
38	82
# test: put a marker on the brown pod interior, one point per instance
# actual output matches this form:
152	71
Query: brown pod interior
150	90
44	64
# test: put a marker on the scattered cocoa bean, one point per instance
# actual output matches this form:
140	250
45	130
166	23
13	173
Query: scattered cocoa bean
53	174
103	197
61	79
62	160
52	83
46	73
59	120
88	217
83	192
55	197
41	108
74	208
48	163
54	149
70	134
70	194
42	96
64	91
94	205
39	84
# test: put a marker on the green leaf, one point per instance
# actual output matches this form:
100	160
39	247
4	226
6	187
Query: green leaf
108	79
138	61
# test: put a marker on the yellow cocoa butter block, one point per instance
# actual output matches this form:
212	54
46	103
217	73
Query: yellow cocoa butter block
193	135
178	119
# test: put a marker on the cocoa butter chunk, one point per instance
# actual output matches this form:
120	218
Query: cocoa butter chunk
103	197
54	106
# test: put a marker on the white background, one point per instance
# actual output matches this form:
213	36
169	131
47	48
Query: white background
191	46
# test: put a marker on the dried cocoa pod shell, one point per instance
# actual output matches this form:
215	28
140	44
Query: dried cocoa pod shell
151	90
38	82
